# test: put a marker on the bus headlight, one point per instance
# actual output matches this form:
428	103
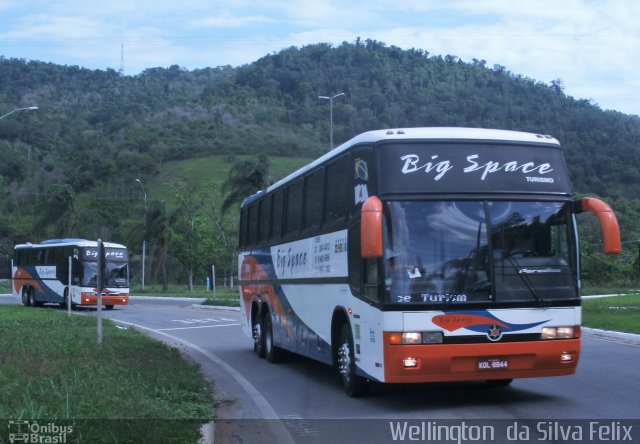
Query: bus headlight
432	337
413	337
416	338
560	332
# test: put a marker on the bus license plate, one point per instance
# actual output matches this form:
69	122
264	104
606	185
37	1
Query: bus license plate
493	364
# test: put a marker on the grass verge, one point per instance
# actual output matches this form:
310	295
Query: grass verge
224	296
131	389
618	313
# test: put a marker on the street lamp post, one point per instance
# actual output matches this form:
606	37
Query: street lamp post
330	99
144	241
28	108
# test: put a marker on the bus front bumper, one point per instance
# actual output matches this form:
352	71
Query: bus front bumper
472	362
92	299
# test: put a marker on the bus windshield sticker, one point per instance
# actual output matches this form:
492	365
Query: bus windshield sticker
361	194
362	171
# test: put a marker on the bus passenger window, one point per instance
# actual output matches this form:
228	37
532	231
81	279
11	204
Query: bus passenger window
314	197
294	208
338	181
265	219
276	214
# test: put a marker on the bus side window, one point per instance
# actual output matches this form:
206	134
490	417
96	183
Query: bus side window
253	224
314	199
242	240
371	279
276	215
336	197
76	271
363	178
265	219
355	260
295	204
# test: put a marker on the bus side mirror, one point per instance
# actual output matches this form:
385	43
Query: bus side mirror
371	229
608	223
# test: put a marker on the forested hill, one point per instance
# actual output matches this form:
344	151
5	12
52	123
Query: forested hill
96	131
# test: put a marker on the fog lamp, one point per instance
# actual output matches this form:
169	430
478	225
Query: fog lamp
566	357
410	362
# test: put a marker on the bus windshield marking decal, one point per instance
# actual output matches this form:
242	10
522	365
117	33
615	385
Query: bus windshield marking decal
411	165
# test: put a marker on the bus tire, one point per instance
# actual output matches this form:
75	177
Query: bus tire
273	353
65	301
25	297
353	385
109	307
32	298
258	335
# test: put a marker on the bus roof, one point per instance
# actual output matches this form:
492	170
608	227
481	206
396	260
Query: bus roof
425	133
70	242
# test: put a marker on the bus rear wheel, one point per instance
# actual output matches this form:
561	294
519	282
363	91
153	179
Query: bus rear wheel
32	298
25	297
109	307
353	384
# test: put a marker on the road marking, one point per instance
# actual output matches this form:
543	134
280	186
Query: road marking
197	320
199	326
277	427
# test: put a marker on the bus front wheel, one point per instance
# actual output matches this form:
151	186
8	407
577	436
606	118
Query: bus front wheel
272	352
258	336
353	384
66	301
109	307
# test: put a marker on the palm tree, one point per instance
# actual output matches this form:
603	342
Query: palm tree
160	231
58	212
246	177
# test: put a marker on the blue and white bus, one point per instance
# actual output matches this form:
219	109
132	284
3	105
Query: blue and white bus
40	273
421	255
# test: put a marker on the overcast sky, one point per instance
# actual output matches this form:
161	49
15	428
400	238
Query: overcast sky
593	46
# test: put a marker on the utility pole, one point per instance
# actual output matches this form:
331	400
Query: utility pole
144	240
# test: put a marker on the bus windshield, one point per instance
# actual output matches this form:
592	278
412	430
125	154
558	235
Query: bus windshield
116	275
479	252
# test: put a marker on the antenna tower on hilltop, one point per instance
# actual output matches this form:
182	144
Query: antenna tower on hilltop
121	70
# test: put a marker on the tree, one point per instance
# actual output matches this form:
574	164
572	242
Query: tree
160	228
58	214
246	177
188	212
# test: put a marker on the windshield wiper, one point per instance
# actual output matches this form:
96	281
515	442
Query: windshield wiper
524	278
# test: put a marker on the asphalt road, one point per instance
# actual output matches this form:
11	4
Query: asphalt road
299	400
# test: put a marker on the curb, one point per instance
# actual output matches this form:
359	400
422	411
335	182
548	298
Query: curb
215	307
207	433
167	298
627	338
